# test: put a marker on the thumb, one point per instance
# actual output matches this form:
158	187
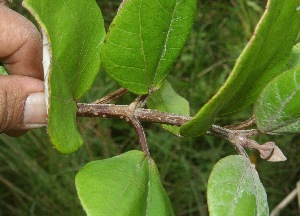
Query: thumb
22	104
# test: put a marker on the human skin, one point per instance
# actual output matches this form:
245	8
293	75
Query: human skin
22	103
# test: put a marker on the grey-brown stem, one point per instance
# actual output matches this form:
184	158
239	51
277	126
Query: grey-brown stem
124	112
148	115
243	125
112	97
134	114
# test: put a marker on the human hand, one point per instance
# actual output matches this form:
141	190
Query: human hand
22	101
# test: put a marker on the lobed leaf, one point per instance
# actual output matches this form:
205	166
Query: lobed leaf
144	40
73	32
277	108
234	188
264	57
128	184
167	100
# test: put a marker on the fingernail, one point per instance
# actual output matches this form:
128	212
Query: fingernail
35	109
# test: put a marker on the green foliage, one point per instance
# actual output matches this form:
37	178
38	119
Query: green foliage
127	184
75	30
3	70
277	108
264	57
167	100
295	57
184	164
234	188
144	40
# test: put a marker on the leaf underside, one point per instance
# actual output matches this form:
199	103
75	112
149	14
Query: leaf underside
234	188
294	60
167	100
75	31
277	109
127	184
264	57
144	40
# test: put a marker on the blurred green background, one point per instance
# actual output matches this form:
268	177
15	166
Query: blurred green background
37	180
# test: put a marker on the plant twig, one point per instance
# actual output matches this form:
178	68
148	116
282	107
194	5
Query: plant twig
243	125
111	97
134	114
123	112
141	135
148	115
137	125
229	134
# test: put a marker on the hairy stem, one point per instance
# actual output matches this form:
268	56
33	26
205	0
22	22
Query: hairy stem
243	125
112	97
125	111
148	115
141	135
137	125
134	114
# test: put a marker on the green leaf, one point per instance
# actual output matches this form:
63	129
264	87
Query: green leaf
75	30
277	108
264	57
234	188
128	184
3	71
144	40
167	100
294	60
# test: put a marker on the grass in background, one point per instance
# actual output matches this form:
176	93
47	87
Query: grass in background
37	180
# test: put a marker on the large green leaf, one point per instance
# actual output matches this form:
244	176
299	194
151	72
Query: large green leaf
278	107
128	184
234	189
75	31
264	57
144	40
167	100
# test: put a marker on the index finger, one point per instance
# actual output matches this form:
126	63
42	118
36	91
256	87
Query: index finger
20	45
